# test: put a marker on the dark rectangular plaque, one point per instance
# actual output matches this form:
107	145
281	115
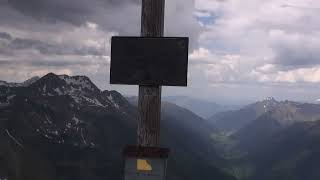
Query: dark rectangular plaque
149	61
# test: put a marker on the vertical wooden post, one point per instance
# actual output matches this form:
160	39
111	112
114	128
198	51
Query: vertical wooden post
149	105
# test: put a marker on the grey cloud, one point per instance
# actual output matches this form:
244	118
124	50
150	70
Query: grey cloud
44	63
34	23
5	51
73	11
20	43
48	48
299	7
180	20
292	57
6	36
122	16
296	55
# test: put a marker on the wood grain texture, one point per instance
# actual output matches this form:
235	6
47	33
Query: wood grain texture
149	105
149	115
152	18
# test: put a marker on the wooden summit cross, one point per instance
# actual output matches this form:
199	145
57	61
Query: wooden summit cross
149	61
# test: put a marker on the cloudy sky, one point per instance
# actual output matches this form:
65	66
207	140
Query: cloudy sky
240	50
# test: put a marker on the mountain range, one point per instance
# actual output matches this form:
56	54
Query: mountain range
202	108
64	127
271	140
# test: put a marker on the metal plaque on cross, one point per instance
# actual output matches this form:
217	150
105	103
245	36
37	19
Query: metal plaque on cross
154	61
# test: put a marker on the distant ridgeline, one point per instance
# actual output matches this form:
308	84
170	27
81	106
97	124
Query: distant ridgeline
271	140
64	127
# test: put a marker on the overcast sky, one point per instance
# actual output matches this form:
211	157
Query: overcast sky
240	50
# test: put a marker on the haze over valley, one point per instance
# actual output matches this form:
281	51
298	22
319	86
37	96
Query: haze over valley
69	128
250	110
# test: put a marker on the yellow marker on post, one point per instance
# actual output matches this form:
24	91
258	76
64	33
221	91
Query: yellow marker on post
143	165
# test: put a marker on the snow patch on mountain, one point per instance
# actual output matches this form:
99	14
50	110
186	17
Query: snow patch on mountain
3	83
94	101
7	100
44	89
10	97
76	120
13	138
269	99
30	81
47	119
113	102
82	136
8	84
81	81
58	91
23	84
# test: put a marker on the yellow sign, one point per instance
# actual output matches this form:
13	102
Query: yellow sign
143	165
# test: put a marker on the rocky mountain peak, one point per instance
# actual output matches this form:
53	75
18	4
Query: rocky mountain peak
52	84
79	89
64	127
266	105
270	99
23	84
30	81
79	81
269	103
